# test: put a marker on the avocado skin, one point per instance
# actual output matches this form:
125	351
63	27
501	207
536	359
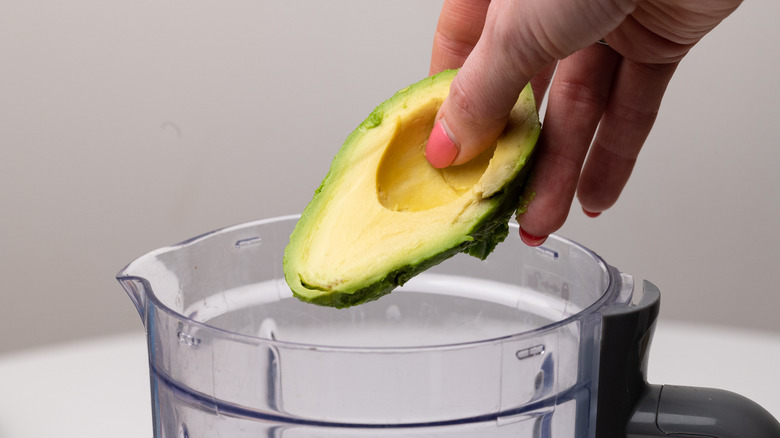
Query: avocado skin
487	232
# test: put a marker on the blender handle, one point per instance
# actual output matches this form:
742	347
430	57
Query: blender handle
626	334
627	406
685	411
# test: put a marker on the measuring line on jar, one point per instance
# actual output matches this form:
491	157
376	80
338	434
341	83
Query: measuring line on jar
525	353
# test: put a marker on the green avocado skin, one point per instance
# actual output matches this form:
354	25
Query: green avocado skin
488	231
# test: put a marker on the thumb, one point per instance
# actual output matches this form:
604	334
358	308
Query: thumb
472	117
482	94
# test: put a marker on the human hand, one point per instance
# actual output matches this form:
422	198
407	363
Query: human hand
602	101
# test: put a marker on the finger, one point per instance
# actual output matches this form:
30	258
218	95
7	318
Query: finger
480	98
577	98
628	119
541	82
458	30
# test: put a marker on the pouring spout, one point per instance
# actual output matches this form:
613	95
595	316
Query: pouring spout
136	288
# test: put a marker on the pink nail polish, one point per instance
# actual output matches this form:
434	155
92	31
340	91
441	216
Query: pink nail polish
440	150
591	213
530	239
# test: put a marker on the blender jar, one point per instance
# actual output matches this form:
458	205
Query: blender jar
532	342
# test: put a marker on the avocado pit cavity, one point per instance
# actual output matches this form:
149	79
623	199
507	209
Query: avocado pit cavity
406	182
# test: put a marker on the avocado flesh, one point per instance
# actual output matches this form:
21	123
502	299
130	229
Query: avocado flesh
383	214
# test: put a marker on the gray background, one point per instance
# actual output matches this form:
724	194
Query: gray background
130	125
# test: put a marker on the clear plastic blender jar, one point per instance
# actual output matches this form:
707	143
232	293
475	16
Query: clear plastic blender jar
533	342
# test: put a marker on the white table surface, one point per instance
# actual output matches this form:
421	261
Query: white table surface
100	388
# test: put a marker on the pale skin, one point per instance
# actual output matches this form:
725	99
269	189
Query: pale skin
501	45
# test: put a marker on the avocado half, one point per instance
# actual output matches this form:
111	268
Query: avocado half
383	214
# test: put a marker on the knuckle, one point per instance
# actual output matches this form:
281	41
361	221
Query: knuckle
580	95
453	47
633	114
477	113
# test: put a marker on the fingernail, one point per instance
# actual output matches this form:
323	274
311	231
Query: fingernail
530	239
591	213
440	150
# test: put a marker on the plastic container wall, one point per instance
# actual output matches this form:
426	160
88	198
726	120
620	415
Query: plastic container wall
504	347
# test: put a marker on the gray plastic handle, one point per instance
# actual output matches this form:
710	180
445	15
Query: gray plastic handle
689	412
629	407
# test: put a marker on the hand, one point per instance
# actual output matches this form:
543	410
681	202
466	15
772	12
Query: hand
617	88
